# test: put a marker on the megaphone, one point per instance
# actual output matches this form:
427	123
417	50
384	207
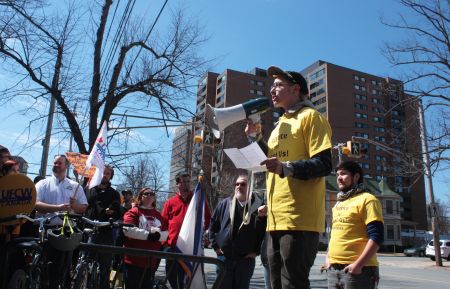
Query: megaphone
217	119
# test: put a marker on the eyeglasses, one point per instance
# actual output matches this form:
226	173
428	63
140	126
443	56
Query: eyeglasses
280	84
241	184
149	193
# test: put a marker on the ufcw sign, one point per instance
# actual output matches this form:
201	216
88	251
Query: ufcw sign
17	195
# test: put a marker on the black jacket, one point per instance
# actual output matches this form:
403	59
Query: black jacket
101	199
247	240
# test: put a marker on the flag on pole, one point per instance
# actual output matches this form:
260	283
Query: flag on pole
190	238
97	157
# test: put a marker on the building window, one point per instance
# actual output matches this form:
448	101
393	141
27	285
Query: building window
378	119
361	134
220	79
389	207
360	97
396	121
360	115
361	125
380	168
257	92
322	110
377	101
355	77
320	90
260	83
252	81
390	232
316	83
380	138
364	165
379	129
380	158
219	99
320	101
317	74
360	106
378	110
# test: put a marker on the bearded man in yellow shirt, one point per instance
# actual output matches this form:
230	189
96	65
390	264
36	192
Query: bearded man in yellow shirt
356	234
299	158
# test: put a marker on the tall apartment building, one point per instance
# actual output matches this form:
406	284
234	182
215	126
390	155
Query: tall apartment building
355	103
227	89
181	155
376	110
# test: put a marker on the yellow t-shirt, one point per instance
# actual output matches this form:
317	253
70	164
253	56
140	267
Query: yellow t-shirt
295	204
349	232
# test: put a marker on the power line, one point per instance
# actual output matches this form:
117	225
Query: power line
116	40
146	38
110	26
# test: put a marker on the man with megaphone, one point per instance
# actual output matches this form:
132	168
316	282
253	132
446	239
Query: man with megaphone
299	158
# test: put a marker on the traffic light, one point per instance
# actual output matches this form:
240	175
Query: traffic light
206	138
353	149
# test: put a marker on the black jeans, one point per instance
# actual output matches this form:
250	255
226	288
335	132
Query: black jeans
338	279
291	255
237	273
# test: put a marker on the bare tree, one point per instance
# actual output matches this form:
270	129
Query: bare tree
443	214
144	172
79	52
423	57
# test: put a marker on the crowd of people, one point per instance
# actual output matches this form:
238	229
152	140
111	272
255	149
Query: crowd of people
283	226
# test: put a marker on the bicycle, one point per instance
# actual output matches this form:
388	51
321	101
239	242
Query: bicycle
34	274
87	269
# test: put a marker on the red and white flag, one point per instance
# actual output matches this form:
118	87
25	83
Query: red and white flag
97	157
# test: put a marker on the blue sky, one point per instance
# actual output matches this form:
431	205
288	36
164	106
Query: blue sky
257	33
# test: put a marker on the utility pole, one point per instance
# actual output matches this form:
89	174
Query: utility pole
46	140
432	206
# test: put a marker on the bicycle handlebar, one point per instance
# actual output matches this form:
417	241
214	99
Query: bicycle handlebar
94	223
111	223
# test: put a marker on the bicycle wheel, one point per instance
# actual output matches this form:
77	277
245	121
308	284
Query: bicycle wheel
18	280
81	277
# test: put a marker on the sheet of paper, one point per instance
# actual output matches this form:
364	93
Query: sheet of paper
248	157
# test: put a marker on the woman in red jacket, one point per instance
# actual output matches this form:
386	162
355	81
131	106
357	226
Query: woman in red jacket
149	232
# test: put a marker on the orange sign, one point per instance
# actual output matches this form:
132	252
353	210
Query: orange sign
79	163
17	195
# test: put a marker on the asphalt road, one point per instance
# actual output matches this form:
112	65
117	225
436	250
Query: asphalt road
396	272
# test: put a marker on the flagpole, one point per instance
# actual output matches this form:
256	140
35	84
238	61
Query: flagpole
79	183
